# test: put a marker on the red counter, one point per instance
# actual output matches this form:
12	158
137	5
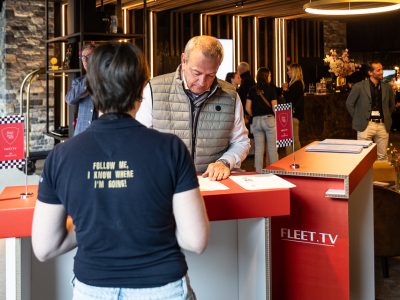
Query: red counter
235	203
324	249
234	266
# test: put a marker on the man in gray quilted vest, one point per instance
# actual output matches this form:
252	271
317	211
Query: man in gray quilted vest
205	112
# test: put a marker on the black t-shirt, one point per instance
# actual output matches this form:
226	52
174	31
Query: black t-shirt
116	180
295	95
258	105
376	99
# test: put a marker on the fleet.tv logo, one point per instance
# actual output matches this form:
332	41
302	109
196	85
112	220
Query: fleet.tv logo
309	237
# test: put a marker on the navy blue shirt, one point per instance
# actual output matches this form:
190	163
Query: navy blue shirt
116	180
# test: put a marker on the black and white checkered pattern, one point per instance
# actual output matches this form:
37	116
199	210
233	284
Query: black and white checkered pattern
284	143
12	119
9	164
284	106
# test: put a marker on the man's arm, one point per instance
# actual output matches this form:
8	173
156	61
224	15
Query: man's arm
50	235
352	100
78	87
145	113
239	142
238	149
192	226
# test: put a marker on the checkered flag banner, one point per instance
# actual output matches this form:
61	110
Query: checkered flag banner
13	119
283	119
12	142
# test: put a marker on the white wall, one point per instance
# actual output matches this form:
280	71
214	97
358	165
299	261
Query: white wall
227	64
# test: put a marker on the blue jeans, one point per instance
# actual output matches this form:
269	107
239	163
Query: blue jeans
264	130
177	290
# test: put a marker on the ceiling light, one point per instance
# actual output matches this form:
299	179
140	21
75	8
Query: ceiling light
350	7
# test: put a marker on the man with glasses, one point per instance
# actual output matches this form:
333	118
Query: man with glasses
78	95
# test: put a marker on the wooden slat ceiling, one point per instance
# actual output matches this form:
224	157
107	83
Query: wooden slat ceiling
259	8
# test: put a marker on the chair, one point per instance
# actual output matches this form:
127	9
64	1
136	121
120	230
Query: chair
386	225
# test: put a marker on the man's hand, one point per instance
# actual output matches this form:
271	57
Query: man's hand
217	171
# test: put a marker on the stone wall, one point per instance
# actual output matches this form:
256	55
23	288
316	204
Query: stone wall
22	49
335	36
2	67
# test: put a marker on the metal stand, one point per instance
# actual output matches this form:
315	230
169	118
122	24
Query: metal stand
293	165
28	78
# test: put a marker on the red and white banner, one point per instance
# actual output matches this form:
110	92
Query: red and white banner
12	142
310	248
283	119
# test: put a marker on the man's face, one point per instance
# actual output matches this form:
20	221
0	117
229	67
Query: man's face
199	71
85	57
377	73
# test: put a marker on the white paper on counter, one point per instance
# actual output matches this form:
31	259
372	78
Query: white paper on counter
261	182
208	185
362	143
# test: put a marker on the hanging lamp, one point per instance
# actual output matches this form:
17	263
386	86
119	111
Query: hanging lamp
350	7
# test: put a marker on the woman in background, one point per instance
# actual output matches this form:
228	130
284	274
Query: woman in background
260	105
294	93
233	78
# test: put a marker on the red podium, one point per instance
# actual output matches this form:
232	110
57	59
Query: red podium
325	248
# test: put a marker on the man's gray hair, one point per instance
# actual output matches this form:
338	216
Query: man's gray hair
208	45
243	67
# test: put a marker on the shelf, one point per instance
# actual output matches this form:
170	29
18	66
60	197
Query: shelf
56	136
63	71
95	36
63	39
59	81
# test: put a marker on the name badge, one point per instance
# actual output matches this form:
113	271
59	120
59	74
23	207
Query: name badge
375	113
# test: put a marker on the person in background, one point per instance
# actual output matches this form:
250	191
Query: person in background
233	78
205	112
247	82
370	104
129	225
78	95
260	105
293	92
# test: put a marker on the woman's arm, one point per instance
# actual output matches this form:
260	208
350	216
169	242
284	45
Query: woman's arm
248	107
50	234
192	226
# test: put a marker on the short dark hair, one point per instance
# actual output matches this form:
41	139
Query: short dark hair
229	76
116	76
373	62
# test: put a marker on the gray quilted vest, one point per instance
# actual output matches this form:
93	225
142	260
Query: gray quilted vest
172	114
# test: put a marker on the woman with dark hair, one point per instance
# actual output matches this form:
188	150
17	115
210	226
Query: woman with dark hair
233	78
260	105
129	225
293	92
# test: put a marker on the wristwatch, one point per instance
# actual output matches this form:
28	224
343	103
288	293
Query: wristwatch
225	162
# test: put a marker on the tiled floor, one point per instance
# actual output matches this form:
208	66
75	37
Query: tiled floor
388	288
